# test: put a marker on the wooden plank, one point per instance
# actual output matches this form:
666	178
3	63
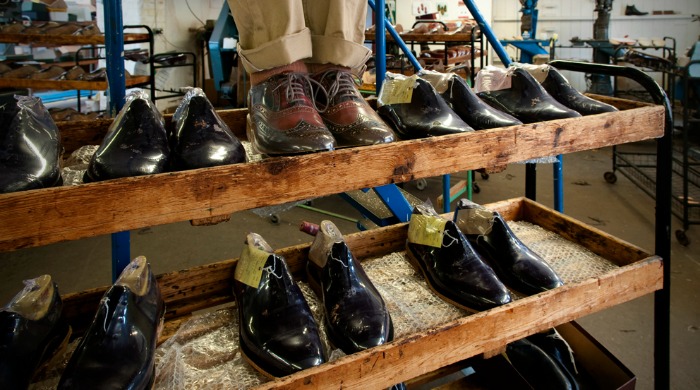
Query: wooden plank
45	216
418	354
65	85
621	104
61	40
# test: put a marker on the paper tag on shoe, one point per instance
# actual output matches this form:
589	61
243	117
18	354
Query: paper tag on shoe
397	90
250	266
426	230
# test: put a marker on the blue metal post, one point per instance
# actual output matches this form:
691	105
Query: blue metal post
380	42
397	38
116	81
446	193
558	184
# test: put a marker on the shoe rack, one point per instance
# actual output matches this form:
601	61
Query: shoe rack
211	192
40	217
42	40
472	38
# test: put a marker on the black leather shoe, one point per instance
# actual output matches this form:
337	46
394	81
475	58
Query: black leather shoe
526	99
283	118
32	331
201	139
631	10
356	316
426	115
136	144
453	270
536	367
278	334
466	104
118	350
30	146
516	265
554	345
347	115
559	88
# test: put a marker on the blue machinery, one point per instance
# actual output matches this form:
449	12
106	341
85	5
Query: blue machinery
400	208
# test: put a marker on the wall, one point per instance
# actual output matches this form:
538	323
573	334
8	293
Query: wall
575	19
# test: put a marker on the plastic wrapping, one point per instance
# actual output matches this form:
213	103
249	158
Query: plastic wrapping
492	78
201	138
539	72
136	143
439	81
474	218
30	146
33	301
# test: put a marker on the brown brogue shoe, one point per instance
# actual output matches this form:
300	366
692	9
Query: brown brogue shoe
283	118
347	115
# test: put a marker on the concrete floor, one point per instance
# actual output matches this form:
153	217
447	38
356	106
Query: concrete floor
620	209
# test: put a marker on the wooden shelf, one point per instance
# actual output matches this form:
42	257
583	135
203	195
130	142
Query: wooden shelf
637	273
40	217
65	40
64	85
424	38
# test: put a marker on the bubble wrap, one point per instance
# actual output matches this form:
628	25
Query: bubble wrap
572	262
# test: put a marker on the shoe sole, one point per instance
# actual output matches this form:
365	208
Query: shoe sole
418	266
250	134
255	365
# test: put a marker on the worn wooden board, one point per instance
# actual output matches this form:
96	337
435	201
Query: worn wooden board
65	85
45	216
61	40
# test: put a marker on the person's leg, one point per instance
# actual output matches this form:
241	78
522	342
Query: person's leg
337	32
272	33
273	41
337	36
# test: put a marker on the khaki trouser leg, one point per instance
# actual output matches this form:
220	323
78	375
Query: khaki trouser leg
337	31
272	33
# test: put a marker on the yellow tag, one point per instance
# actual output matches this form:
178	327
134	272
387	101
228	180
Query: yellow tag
398	91
426	230
250	266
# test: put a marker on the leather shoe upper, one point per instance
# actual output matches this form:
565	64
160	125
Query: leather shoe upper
527	100
201	139
283	117
32	329
136	144
356	315
450	265
426	115
30	146
278	333
557	86
118	349
347	115
516	264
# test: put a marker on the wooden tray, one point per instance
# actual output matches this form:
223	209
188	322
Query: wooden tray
411	356
40	217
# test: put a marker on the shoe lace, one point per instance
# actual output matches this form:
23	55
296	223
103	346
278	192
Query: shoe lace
344	84
295	86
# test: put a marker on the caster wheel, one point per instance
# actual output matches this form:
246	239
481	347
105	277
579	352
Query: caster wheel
682	238
485	176
475	188
421	184
275	219
610	177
